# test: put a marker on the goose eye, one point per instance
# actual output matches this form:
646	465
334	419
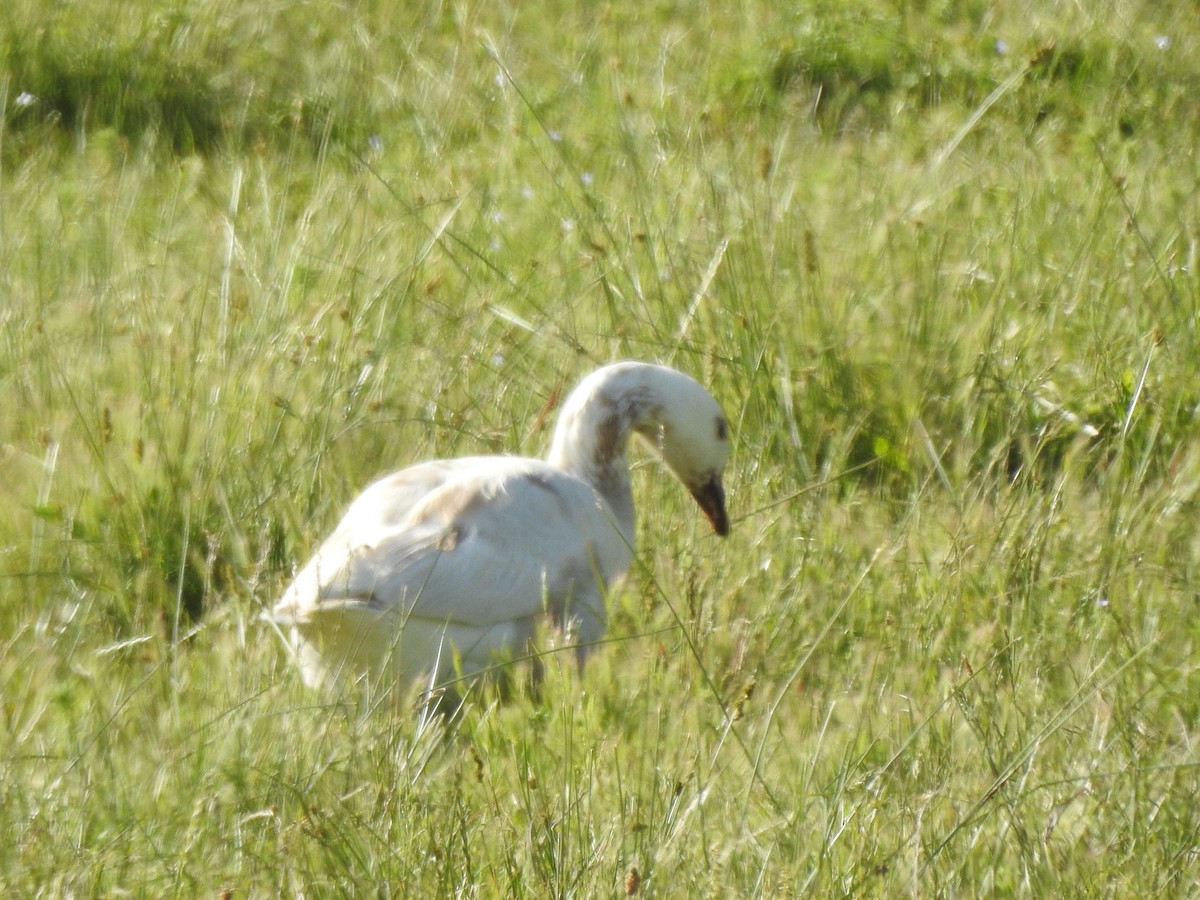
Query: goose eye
722	429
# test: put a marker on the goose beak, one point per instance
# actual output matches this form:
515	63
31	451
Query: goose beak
711	497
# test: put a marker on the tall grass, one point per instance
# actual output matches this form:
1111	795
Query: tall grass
938	260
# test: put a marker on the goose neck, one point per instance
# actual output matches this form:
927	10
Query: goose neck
591	439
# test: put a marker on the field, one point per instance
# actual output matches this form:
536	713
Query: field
936	258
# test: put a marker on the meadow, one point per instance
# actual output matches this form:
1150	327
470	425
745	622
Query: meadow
936	258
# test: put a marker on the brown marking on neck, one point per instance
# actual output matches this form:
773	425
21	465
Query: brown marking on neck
622	415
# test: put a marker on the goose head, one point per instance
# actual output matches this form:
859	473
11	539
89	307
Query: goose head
692	434
669	409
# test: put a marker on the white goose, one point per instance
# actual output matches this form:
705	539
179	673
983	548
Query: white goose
443	569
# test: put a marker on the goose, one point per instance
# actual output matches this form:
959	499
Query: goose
442	571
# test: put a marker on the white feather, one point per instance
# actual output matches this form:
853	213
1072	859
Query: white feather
446	567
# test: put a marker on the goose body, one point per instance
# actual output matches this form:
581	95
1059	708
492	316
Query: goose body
444	568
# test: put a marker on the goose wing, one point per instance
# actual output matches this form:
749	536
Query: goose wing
475	542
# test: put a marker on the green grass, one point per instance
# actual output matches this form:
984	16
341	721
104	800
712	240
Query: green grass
946	290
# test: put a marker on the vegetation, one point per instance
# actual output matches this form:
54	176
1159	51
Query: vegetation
938	259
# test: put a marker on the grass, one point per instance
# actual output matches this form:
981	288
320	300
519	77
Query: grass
938	261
